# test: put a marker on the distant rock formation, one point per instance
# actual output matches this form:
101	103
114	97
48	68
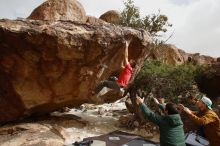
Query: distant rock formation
170	54
59	10
94	20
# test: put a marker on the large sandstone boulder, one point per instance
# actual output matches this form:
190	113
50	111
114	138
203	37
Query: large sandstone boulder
111	16
59	10
168	54
45	66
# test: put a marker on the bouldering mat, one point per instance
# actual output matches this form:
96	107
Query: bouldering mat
119	138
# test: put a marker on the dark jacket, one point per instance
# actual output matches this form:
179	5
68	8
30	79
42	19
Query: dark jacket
171	127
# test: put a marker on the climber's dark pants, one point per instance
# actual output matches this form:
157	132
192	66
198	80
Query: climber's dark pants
108	84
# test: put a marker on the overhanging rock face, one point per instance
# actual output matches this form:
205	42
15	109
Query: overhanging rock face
47	65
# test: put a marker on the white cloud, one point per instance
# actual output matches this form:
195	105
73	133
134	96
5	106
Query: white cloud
199	32
183	2
196	23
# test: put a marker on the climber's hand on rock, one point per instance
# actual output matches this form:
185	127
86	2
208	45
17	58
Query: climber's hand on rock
128	39
139	100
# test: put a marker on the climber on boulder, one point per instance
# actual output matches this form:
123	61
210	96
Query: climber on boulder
122	82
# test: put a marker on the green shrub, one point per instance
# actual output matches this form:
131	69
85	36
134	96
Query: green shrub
168	81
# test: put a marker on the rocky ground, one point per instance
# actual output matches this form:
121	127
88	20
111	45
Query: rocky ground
70	125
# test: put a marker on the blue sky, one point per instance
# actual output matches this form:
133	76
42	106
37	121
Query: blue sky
196	23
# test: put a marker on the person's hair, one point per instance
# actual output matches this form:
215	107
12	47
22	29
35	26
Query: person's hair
171	108
132	63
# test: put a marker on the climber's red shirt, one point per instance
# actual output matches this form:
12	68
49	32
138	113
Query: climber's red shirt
125	76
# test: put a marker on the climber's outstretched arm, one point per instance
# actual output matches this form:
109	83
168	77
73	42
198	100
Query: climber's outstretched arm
126	53
125	61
